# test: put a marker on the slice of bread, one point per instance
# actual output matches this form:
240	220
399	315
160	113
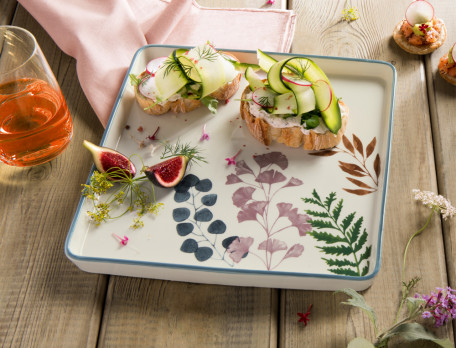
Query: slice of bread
183	105
443	72
292	136
402	41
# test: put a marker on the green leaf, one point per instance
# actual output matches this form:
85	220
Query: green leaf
365	269
356	230
211	103
316	196
362	240
327	237
357	300
359	342
134	80
340	263
312	201
344	271
347	221
322	224
366	254
413	304
329	200
336	250
321	214
337	210
415	331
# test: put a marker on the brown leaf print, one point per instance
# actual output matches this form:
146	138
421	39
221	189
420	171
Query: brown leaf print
370	148
358	192
352	168
377	165
348	144
323	153
360	183
358	145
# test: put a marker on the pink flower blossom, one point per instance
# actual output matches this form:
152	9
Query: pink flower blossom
205	136
232	160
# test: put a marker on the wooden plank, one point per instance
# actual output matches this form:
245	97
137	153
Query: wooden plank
46	301
320	30
442	99
154	313
7	9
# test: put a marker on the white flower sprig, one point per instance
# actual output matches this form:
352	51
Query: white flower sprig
436	203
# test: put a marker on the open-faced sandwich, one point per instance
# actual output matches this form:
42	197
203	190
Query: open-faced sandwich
295	105
186	79
420	32
447	66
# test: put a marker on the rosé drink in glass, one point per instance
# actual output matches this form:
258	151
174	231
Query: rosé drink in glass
35	124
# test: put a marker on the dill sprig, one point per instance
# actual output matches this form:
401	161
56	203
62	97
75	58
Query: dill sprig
171	65
264	101
207	53
178	149
115	189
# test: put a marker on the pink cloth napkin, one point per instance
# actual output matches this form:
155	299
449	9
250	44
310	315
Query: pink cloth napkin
103	36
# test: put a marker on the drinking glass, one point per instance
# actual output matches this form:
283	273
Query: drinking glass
35	124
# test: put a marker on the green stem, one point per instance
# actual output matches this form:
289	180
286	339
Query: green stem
404	287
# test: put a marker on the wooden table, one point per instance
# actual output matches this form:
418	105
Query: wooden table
47	301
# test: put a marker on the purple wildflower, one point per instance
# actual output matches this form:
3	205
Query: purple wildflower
440	305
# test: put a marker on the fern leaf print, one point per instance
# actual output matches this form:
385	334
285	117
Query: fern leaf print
343	240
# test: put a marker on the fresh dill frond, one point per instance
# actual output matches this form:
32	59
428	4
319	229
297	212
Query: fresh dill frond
207	53
178	149
115	191
134	80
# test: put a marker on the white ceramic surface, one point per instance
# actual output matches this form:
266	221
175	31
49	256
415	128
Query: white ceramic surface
259	210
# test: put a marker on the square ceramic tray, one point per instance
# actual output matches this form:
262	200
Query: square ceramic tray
280	217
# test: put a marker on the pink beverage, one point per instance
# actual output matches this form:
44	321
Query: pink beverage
35	125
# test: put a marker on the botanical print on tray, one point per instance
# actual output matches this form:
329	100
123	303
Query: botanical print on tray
196	221
358	167
256	201
344	238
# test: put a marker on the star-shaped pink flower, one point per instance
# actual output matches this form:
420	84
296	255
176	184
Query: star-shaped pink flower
232	160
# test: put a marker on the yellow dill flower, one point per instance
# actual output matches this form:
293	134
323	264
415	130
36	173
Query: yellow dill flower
350	13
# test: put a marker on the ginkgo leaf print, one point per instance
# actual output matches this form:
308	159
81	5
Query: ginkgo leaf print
363	171
256	201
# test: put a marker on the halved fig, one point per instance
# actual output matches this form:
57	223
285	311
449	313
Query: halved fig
111	161
167	173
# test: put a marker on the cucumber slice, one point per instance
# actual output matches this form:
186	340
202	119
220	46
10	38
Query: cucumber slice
265	61
253	79
305	98
284	83
169	79
331	114
189	69
275	77
285	104
209	65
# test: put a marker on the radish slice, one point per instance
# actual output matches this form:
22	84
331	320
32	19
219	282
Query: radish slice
296	80
154	64
264	97
419	11
148	88
324	96
451	54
